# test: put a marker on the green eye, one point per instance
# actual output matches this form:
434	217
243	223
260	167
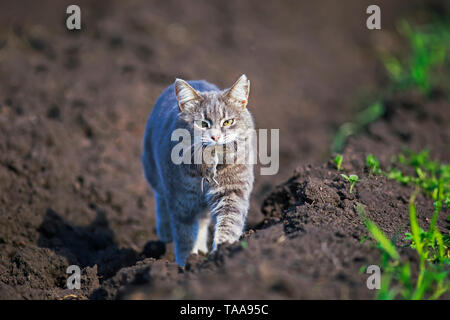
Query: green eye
228	122
202	124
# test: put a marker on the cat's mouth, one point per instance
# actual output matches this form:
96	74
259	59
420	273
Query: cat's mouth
223	143
221	146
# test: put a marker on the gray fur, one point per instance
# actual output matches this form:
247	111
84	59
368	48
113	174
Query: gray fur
188	195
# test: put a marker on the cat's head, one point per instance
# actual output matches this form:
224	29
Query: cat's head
221	117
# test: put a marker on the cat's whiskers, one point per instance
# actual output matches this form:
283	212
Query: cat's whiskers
194	145
198	152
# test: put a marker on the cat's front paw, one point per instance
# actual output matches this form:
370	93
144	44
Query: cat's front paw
219	244
203	251
200	250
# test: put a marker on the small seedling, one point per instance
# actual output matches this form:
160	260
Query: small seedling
431	177
363	239
396	174
244	244
338	161
373	164
353	179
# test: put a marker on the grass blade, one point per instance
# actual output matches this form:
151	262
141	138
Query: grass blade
379	235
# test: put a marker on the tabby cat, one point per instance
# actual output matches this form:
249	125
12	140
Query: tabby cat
188	195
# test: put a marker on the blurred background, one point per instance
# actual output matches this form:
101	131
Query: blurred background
73	104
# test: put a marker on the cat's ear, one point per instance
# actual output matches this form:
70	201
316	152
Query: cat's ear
238	93
187	96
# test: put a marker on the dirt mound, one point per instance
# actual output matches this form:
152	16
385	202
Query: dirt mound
311	236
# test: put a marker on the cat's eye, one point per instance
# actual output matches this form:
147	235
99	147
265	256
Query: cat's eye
202	124
227	123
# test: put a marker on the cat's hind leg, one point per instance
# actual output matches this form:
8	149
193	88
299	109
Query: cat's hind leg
163	226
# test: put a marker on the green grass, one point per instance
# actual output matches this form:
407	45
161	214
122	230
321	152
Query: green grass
360	121
431	246
397	279
421	68
429	45
431	177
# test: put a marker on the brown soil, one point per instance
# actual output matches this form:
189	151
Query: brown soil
72	113
308	247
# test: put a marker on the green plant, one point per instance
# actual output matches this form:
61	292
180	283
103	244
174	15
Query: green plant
430	176
338	161
397	276
433	179
438	244
383	242
373	164
353	179
362	119
396	174
428	47
427	54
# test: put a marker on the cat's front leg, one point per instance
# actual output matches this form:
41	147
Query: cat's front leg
201	244
229	208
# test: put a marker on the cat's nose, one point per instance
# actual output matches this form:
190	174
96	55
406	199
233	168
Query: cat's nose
215	138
